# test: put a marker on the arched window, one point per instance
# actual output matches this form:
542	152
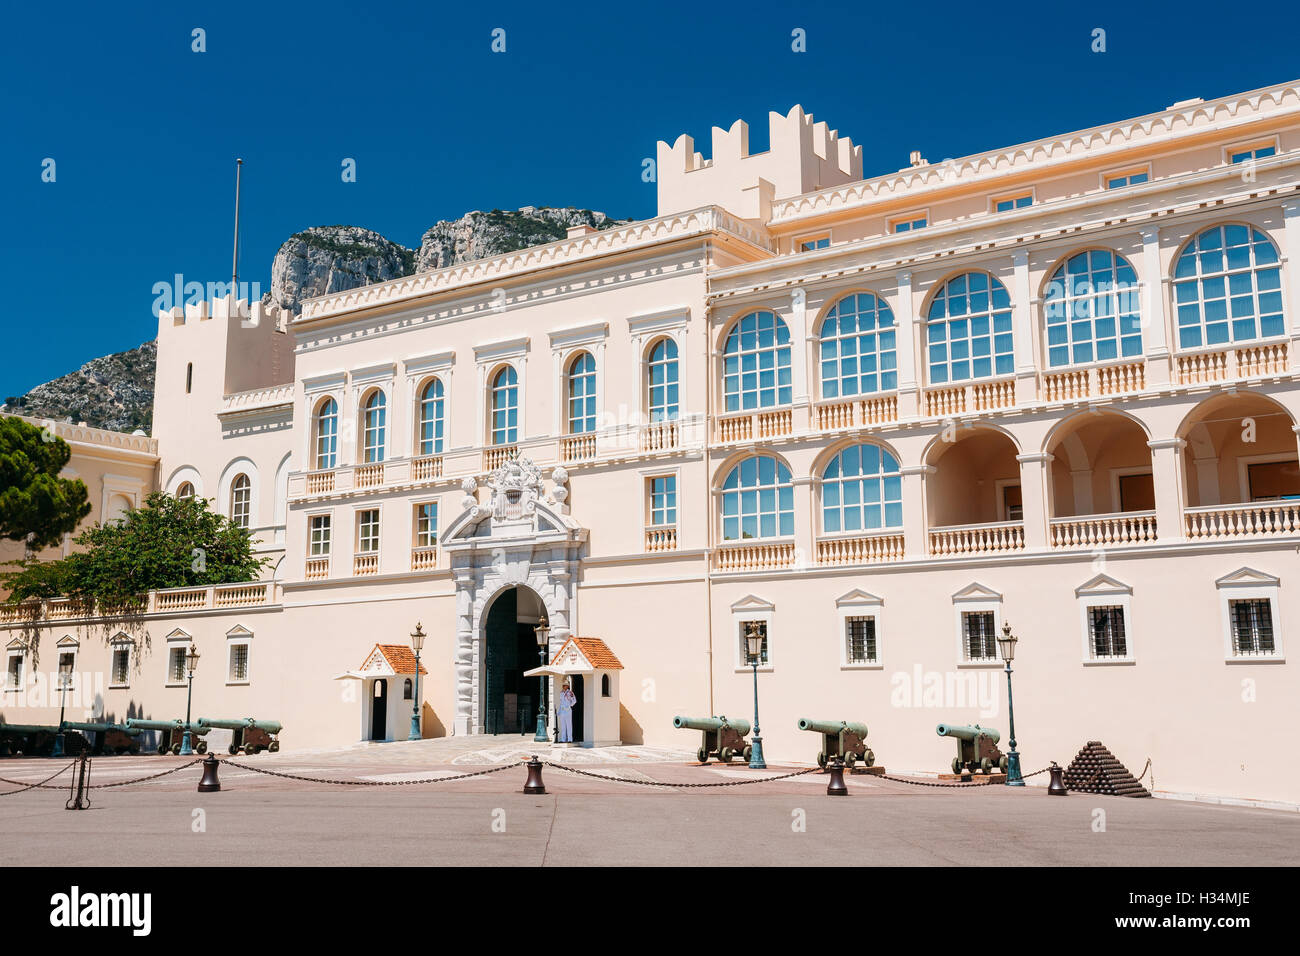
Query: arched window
582	394
430	417
1092	310
327	434
756	363
862	490
757	500
374	422
969	329
241	500
604	685
505	407
186	490
406	689
858	347
662	381
1228	287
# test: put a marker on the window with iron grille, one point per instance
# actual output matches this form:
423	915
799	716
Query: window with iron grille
979	636
368	531
1252	627
861	637
320	535
1106	631
14	678
426	524
176	665
761	627
238	663
121	664
67	662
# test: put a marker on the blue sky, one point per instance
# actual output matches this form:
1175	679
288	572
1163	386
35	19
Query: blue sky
144	131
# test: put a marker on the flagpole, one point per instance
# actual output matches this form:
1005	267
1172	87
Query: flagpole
234	261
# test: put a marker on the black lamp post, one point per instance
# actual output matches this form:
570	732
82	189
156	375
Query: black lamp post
417	644
191	663
1007	649
754	645
543	634
65	673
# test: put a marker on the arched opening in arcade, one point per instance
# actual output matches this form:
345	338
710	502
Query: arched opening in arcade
1240	449
511	700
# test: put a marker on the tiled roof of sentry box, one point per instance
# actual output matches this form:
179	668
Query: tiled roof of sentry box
400	657
595	650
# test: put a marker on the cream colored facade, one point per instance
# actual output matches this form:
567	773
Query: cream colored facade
1124	494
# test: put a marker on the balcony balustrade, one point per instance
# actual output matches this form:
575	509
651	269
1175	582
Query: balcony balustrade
424	558
1104	531
1257	519
365	564
996	538
860	549
754	556
661	538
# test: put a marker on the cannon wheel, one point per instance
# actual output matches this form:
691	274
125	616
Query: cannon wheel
850	759
725	755
1003	763
747	753
702	755
251	749
176	750
821	759
986	765
233	750
956	765
274	747
201	747
162	749
870	759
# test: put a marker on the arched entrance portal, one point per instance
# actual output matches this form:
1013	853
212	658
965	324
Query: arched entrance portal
510	700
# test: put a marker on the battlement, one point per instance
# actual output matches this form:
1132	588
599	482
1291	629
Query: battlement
802	155
225	309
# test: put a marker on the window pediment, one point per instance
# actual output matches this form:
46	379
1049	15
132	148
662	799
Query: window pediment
752	603
1247	577
976	592
1102	584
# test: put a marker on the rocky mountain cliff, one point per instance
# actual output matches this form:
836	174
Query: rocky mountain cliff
116	391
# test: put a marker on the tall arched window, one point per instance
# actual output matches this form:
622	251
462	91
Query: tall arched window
757	500
373	427
505	407
756	363
241	500
327	434
582	394
858	347
662	381
969	329
862	490
186	490
1092	309
431	419
1228	287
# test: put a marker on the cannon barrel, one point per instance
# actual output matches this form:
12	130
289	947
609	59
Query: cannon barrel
831	726
237	723
963	732
139	723
100	728
28	729
711	724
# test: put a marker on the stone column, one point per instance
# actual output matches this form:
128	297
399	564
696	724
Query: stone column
915	545
1035	498
464	651
904	318
1291	275
805	524
1167	477
1155	342
1022	330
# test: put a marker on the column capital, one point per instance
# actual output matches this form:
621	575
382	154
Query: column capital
1176	443
904	277
1036	456
1291	207
908	470
1020	258
1150	233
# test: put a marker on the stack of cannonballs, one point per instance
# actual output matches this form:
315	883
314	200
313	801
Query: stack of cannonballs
1094	769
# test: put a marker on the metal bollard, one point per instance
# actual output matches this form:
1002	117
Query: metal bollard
534	782
209	783
1056	787
836	787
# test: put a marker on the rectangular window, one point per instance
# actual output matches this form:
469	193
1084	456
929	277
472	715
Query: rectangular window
14	677
908	224
1008	203
1250	153
426	524
663	500
861	637
814	242
320	526
121	665
978	637
1252	627
1130	178
1273	480
176	664
67	662
368	531
1013	507
238	663
1137	493
761	627
1106	631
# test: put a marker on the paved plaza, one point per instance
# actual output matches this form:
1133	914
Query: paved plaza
642	817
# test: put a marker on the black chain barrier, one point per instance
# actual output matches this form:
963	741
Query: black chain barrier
933	783
24	786
152	776
683	786
367	783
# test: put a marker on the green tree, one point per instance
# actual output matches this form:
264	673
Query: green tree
167	543
36	505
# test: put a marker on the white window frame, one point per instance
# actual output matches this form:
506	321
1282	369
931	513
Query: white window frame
976	597
120	642
1104	591
67	645
1247	584
1243	469
1251	145
1031	192
379	526
415	523
239	636
19	650
1116	496
647	483
329	550
858	603
1125	172
181	639
811	237
891	225
751	608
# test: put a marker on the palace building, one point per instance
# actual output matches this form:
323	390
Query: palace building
1052	385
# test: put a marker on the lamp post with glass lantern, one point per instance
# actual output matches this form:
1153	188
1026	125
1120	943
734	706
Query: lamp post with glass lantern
543	634
417	644
65	674
1007	649
754	645
191	663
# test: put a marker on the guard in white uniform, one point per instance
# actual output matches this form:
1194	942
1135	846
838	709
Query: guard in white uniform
564	711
